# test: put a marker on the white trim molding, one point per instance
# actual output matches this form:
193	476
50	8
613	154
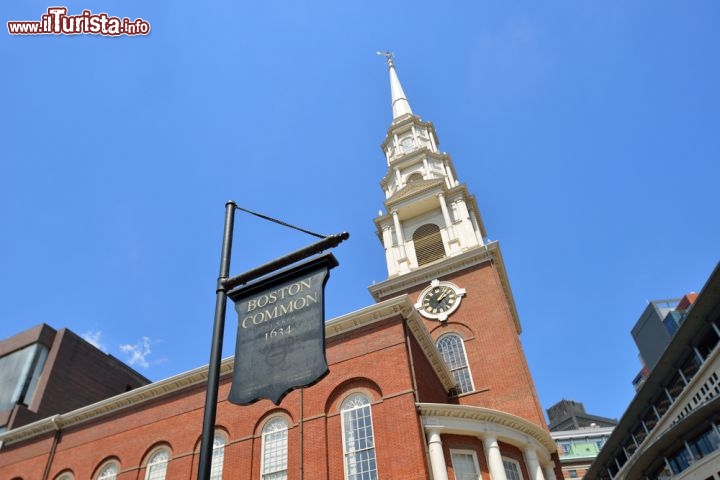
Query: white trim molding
483	422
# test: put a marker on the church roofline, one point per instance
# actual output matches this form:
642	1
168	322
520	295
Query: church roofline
400	305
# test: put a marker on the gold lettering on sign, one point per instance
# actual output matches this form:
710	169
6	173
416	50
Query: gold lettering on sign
275	304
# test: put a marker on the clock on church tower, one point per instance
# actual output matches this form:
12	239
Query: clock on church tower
439	300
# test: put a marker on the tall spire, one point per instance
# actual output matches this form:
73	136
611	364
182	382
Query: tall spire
400	104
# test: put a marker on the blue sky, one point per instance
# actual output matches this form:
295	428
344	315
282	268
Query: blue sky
588	131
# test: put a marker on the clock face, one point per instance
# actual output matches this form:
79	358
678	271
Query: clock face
439	300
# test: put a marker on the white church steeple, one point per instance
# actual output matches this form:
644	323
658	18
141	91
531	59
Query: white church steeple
430	214
400	104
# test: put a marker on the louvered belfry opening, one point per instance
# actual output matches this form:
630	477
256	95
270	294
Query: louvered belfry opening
428	244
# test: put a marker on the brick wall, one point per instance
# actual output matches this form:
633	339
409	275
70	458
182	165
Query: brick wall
373	360
497	362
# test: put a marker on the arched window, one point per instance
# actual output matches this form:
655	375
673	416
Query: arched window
65	476
157	465
275	449
452	349
428	244
358	438
109	471
218	457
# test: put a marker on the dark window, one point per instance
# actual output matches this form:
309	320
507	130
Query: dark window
680	460
650	420
675	386
706	443
662	404
707	343
629	446
639	434
690	367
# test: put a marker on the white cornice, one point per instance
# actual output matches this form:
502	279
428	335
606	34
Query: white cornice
366	316
403	123
414	191
417	327
478	422
448	266
401	305
347	323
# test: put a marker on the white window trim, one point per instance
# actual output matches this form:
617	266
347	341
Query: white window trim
153	452
262	445
519	467
219	434
342	429
466	452
105	465
467	363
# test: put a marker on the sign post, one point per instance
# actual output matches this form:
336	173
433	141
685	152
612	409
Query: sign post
211	394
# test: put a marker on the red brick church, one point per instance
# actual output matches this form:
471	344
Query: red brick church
430	382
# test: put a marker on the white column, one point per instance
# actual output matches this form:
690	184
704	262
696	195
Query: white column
437	458
448	173
402	260
426	166
398	229
549	470
493	457
445	213
387	237
453	241
392	263
475	226
533	465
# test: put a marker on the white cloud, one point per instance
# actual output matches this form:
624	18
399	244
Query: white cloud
93	338
137	354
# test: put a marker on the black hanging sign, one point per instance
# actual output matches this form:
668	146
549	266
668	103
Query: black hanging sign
281	332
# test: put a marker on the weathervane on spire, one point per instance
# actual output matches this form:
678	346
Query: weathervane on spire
388	56
400	104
